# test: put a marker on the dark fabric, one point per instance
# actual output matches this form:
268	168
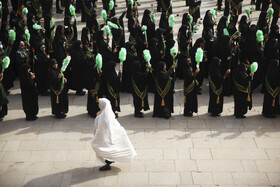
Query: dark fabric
59	45
273	78
29	93
141	81
240	99
146	20
262	22
55	82
42	72
162	78
217	78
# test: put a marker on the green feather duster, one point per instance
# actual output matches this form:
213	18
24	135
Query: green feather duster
52	22
37	27
104	15
147	56
195	27
171	21
270	12
174	52
153	17
122	54
5	63
260	37
131	4
107	30
0	6
214	13
113	25
248	12
198	56
27	35
191	20
254	67
226	32
25	11
72	10
65	63
144	28
227	22
98	61
12	35
111	5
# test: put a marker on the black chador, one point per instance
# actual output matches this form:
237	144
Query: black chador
272	85
195	9
216	78
146	20
242	91
94	83
29	93
190	88
58	90
163	102
112	86
140	89
59	45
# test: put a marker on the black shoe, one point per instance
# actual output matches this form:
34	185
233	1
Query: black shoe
32	118
240	117
59	11
108	162
105	168
116	114
80	93
215	114
60	116
138	115
188	114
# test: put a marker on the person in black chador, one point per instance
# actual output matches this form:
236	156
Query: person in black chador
140	89
131	56
221	26
112	86
242	91
190	85
78	65
42	70
166	6
244	27
58	90
265	5
163	102
29	93
216	79
118	40
104	48
236	10
262	22
208	23
70	30
5	10
147	20
276	8
3	98
195	10
110	13
271	94
85	39
94	83
163	22
59	45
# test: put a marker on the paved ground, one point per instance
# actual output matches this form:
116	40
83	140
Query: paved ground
198	151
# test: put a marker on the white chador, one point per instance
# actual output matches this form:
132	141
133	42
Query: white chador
110	141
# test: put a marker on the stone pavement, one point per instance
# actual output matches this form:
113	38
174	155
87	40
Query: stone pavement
197	151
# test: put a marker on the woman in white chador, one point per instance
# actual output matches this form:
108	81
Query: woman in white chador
110	141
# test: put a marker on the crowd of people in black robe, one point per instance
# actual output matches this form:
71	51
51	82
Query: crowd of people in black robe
230	47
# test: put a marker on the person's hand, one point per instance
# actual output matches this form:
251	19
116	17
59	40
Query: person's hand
150	66
59	75
93	94
65	80
197	70
120	71
196	82
1	76
32	75
125	9
251	74
48	56
115	50
173	66
228	71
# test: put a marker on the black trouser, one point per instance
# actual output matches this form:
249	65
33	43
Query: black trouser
219	4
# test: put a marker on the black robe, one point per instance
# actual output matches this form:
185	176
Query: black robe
216	100
190	91
163	107
194	9
42	72
112	86
59	46
29	93
3	99
140	81
241	100
59	104
272	81
94	83
146	20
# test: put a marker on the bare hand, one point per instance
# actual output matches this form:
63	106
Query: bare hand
251	74
228	71
65	80
197	70
59	75
173	66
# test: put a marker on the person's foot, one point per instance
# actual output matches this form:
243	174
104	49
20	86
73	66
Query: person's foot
215	114
81	93
240	117
59	11
188	114
105	168
60	116
139	115
116	114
